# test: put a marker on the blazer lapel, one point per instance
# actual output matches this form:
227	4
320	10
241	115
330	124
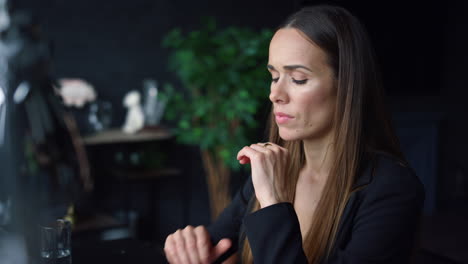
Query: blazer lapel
363	179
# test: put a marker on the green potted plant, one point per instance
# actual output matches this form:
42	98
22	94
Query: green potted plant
224	82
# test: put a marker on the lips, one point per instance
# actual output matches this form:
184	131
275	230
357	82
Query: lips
282	118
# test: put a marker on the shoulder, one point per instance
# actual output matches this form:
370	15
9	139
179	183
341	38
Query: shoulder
388	176
380	220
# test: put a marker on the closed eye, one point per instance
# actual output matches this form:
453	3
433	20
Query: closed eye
274	79
300	82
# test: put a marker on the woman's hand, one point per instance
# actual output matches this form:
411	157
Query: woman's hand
269	162
193	246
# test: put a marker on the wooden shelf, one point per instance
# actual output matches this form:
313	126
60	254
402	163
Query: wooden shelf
116	135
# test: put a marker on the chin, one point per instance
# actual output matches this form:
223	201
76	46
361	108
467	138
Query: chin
289	135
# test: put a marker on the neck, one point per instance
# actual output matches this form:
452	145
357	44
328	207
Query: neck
319	156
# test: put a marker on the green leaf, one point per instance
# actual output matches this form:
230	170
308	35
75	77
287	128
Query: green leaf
184	124
223	81
173	39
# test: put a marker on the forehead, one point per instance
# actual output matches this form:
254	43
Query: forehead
289	46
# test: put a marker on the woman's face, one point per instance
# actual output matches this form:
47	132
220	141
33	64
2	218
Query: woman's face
303	87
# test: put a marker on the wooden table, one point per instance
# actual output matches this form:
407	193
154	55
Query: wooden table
122	251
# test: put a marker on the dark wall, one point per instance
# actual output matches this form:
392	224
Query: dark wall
454	180
115	44
409	41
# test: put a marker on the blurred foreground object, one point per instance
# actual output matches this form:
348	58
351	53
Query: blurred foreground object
44	166
4	16
135	118
12	249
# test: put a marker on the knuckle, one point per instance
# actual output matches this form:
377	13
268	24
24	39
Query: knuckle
191	244
177	235
188	229
169	251
199	230
169	246
178	240
259	156
179	247
204	255
203	241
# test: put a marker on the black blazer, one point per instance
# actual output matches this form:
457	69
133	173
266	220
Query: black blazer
378	225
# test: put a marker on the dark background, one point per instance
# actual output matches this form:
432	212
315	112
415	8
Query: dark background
421	46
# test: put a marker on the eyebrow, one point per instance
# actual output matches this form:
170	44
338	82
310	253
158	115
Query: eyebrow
290	67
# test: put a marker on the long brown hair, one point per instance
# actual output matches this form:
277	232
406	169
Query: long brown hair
360	122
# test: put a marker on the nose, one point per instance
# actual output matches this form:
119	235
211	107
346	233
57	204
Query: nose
278	93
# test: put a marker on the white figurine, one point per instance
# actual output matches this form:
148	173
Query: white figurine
135	118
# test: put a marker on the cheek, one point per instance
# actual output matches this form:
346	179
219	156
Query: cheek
315	105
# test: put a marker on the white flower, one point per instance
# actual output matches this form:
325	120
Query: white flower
76	92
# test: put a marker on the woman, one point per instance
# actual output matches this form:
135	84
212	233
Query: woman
331	185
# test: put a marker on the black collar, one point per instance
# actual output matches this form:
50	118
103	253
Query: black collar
366	170
363	178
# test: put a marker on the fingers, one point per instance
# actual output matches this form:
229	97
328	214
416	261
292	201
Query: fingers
221	248
190	241
190	245
244	160
180	247
203	244
170	249
269	162
261	148
271	146
246	154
